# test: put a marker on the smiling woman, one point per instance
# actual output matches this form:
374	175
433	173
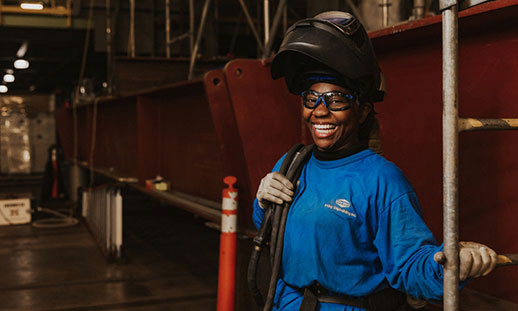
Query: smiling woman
354	238
331	129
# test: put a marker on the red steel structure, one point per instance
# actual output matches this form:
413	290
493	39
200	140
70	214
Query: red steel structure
237	121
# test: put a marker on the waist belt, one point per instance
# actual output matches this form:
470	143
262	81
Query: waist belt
316	293
388	299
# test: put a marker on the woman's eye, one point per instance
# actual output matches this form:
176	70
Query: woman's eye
337	100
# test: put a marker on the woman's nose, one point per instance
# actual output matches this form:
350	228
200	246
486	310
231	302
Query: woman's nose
321	109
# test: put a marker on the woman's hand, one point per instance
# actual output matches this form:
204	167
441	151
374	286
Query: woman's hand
475	260
275	188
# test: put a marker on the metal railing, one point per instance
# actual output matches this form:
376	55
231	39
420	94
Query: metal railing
452	126
102	209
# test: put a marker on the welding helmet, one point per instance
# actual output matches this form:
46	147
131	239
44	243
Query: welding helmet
330	44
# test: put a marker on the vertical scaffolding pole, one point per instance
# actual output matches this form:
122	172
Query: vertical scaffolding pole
109	80
275	26
419	9
206	6
69	14
285	19
191	26
167	28
131	42
251	24
266	8
450	154
385	17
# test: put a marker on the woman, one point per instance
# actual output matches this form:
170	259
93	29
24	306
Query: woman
355	230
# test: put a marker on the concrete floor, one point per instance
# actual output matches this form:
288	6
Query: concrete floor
170	264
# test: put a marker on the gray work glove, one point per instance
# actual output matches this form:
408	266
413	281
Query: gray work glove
475	260
275	188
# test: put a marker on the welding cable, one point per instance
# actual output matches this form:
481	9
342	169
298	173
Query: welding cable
259	242
264	233
60	221
286	165
293	175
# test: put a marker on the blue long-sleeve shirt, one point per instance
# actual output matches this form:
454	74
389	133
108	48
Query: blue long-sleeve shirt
355	226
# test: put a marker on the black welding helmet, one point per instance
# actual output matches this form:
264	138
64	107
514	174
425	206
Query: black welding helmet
334	44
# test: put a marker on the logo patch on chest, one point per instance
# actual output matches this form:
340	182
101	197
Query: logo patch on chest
341	205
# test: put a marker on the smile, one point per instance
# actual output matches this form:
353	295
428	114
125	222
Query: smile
323	130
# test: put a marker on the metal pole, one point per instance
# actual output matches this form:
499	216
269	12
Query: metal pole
234	35
450	156
69	14
356	13
385	12
251	24
419	9
108	47
275	25
167	28
285	19
191	26
198	37
473	124
266	9
132	29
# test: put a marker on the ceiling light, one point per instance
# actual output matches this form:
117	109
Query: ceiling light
22	49
8	77
21	64
31	6
3	89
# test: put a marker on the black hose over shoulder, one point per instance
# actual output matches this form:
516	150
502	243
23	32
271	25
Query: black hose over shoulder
290	158
264	232
293	174
259	242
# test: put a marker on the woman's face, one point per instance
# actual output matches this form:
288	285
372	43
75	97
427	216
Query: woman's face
334	130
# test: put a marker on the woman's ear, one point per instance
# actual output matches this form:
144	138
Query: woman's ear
365	109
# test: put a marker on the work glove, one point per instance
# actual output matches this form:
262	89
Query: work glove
475	260
274	188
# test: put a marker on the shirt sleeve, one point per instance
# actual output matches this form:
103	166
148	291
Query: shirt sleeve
258	212
406	248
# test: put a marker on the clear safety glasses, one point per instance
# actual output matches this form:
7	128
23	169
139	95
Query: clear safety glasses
334	100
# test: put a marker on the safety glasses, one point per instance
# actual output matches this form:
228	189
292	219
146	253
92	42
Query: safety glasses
333	100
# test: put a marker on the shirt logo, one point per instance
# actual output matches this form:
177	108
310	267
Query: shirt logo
343	203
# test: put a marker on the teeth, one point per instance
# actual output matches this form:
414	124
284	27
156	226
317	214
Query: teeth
324	126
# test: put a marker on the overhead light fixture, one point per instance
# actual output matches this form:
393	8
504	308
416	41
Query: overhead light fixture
3	89
22	49
21	64
8	77
31	6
